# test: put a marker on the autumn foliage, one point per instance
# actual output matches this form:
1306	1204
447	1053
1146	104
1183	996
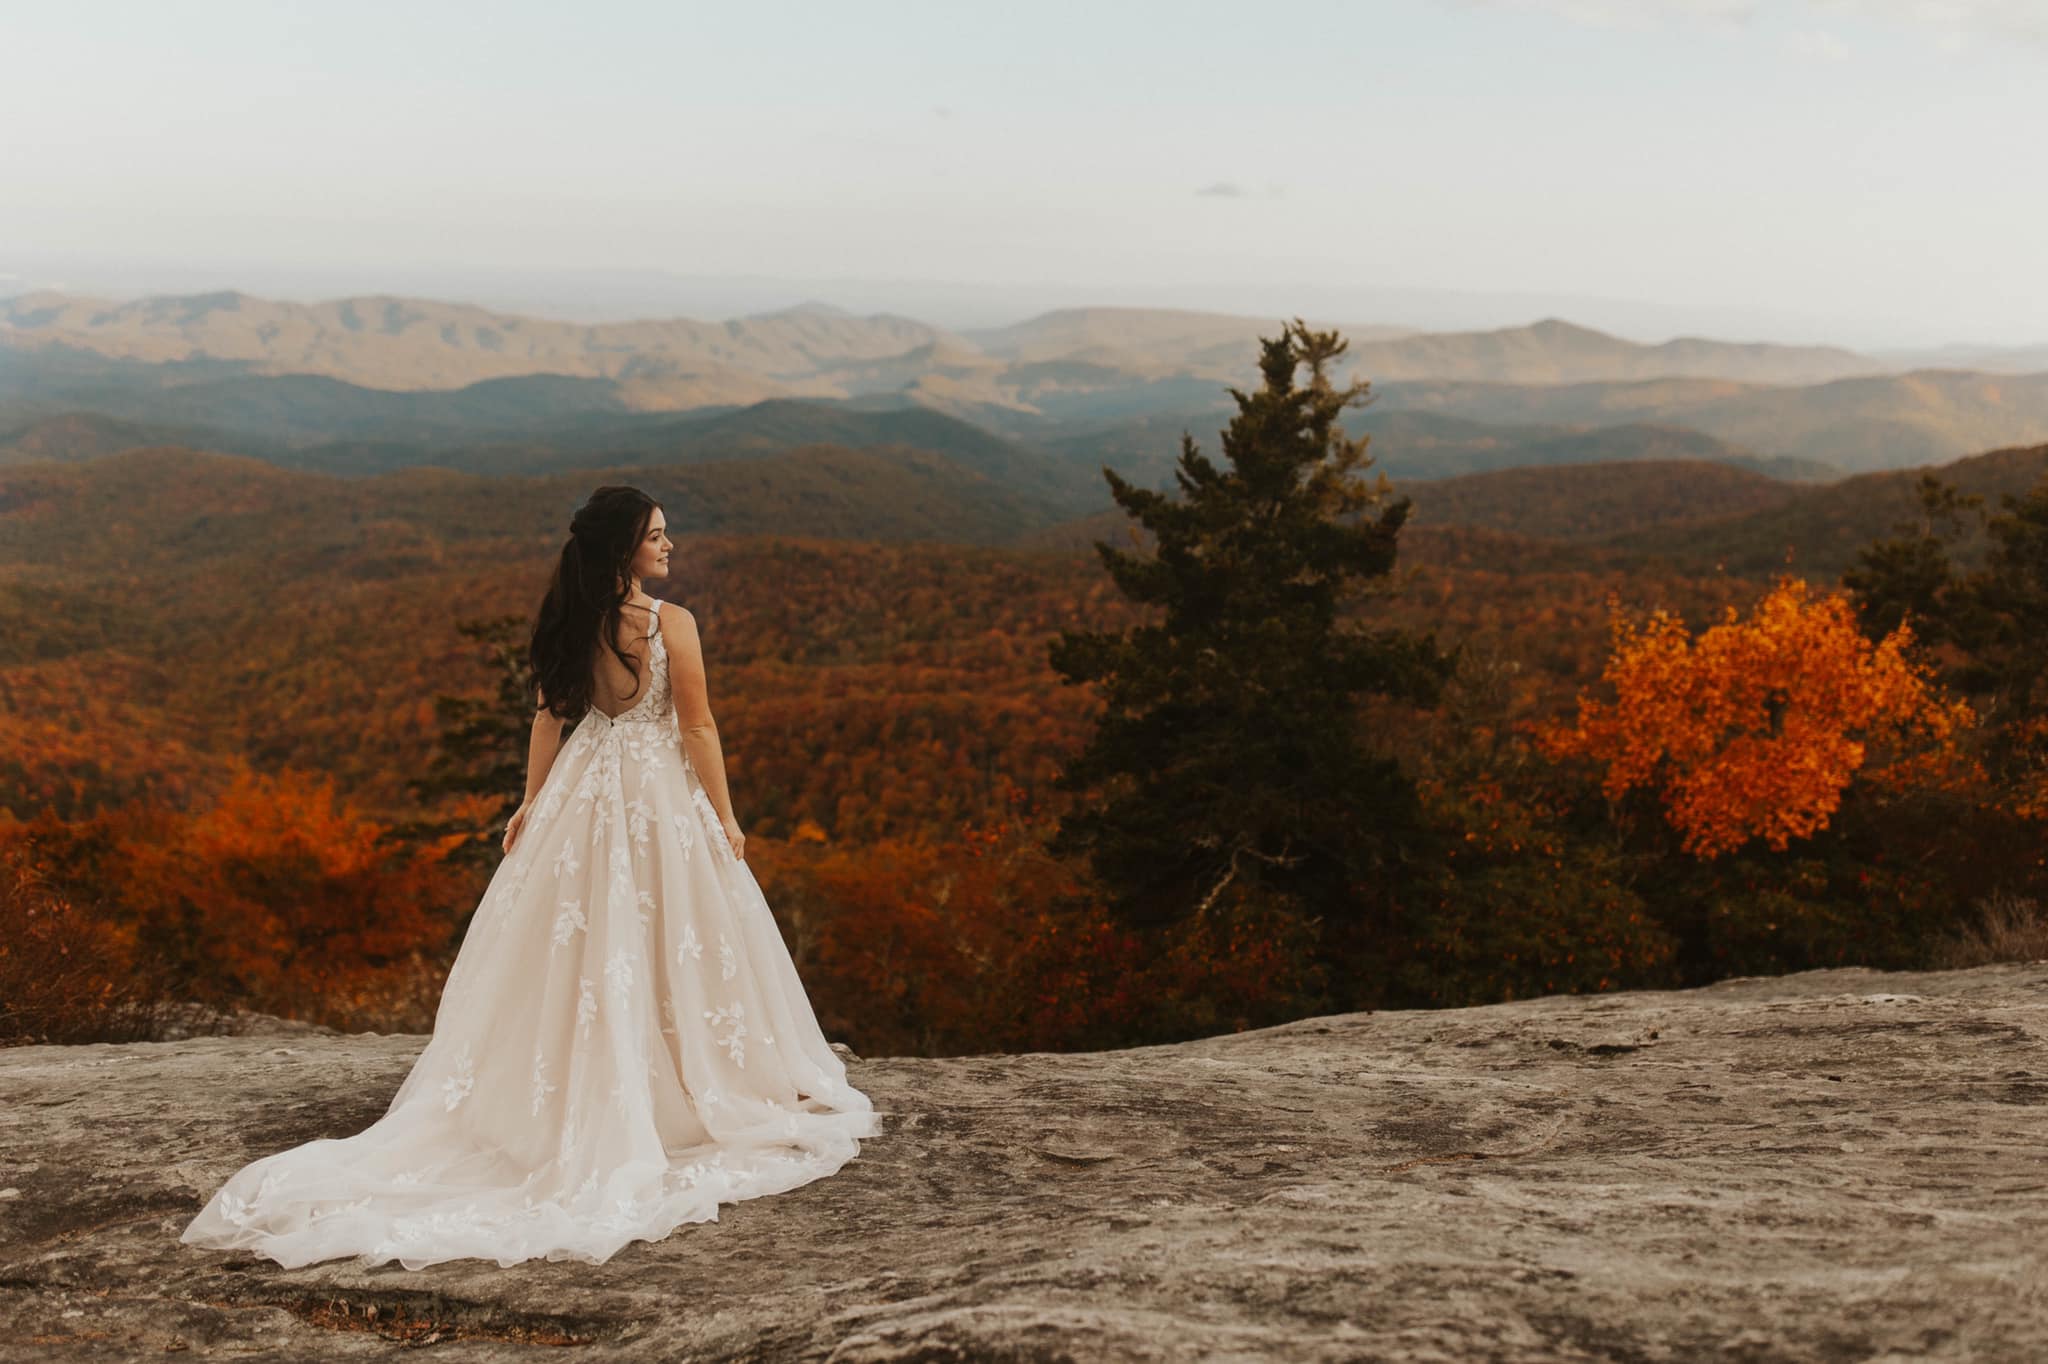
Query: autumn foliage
881	703
983	942
279	896
1755	729
66	973
282	891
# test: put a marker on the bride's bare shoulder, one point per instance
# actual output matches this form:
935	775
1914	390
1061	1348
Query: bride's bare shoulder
678	626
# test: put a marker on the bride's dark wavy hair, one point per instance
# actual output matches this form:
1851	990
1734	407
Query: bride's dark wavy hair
582	605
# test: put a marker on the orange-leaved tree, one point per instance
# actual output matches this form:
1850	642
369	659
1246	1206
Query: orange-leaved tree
1757	727
285	897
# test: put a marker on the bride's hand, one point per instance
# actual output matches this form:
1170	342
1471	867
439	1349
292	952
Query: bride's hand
736	838
514	825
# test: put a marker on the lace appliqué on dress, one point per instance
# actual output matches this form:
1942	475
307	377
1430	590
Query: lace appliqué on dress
588	1082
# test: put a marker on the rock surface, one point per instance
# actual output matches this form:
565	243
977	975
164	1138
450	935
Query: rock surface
1837	1165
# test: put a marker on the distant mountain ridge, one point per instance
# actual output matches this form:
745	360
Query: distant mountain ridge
413	344
1554	351
813	349
382	378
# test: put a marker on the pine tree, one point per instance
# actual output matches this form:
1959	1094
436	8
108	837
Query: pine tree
1912	574
1996	616
481	742
2010	599
1993	621
1232	747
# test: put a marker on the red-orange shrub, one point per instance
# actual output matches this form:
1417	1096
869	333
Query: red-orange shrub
67	974
986	943
283	898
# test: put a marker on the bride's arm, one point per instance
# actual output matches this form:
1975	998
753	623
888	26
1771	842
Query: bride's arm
693	706
541	747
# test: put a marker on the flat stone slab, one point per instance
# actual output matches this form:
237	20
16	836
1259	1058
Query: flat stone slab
1835	1165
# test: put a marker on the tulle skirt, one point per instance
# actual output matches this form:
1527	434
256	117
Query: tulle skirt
622	1045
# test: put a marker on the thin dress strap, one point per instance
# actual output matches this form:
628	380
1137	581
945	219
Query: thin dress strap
654	618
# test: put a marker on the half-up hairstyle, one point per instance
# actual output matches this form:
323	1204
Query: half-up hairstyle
581	609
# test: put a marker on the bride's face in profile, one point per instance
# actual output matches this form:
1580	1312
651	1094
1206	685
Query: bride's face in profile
650	560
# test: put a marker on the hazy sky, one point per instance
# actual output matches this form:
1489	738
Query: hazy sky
1872	161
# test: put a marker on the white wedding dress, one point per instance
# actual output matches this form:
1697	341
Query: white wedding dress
622	1045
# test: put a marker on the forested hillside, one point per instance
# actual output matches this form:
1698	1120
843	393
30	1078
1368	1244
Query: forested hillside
213	665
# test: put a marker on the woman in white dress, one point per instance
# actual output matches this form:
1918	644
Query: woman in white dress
623	1043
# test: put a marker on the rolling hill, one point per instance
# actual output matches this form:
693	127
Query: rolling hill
88	435
1858	425
1679	516
591	440
357	432
1554	351
1419	444
166	513
1595	501
1818	531
1144	341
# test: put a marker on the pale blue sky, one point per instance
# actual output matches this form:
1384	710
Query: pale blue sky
1861	160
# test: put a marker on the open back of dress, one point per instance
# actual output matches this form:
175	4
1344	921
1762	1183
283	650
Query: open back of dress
649	676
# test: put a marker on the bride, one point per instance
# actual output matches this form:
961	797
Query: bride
623	1043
